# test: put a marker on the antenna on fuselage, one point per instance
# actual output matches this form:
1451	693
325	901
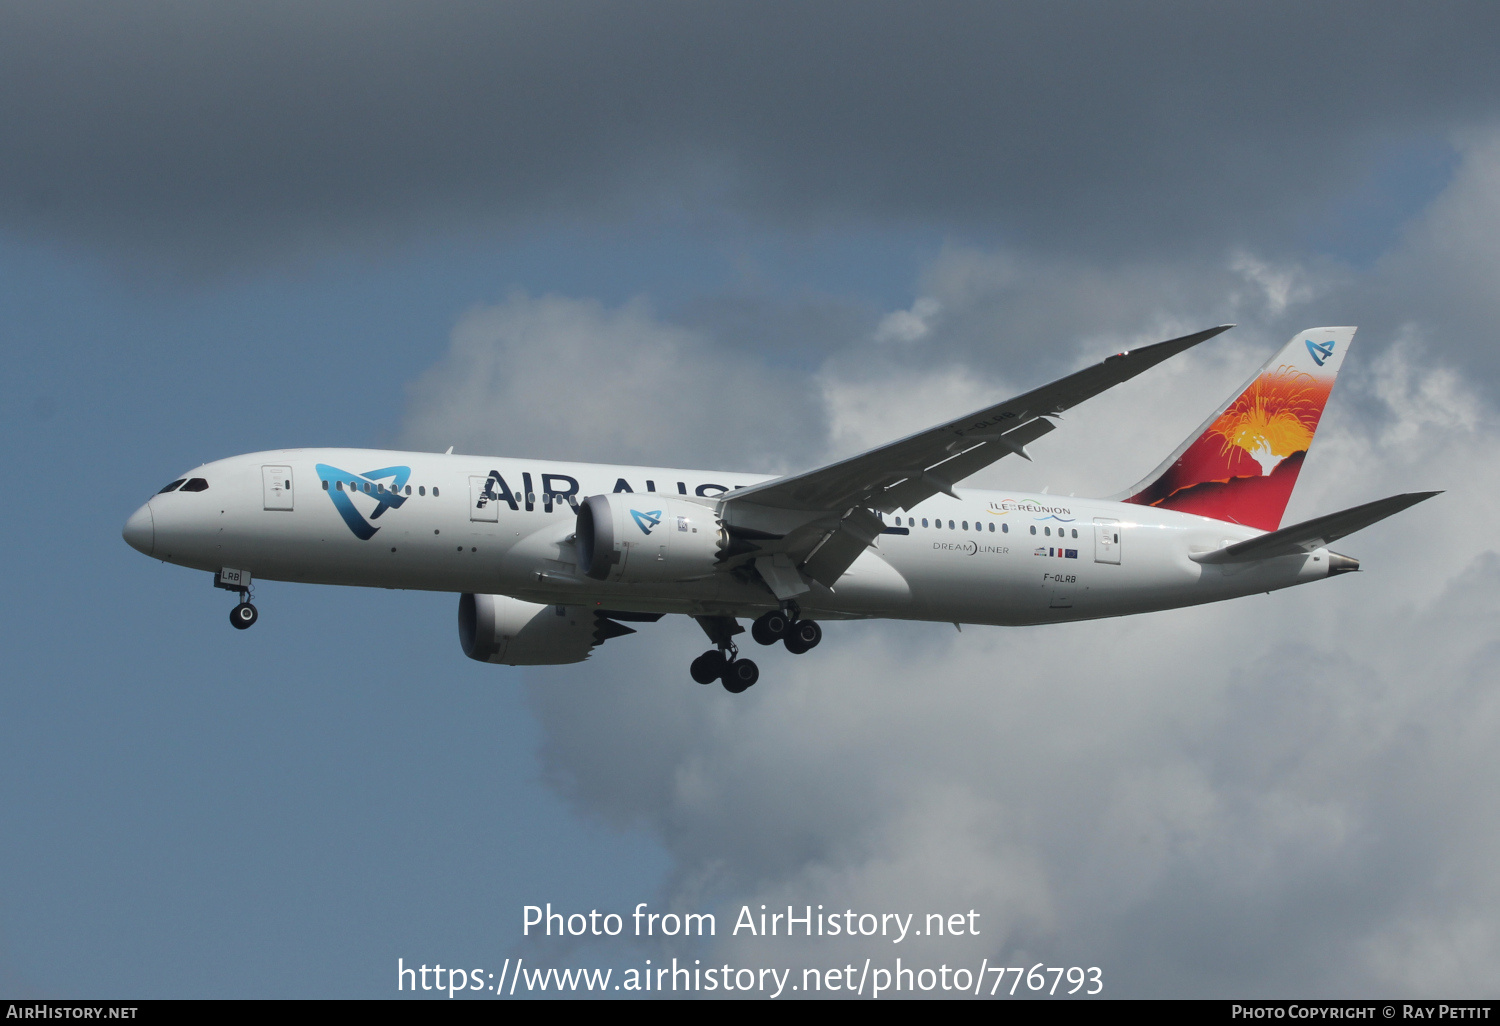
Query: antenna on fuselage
448	451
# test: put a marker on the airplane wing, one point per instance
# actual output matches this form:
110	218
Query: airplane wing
1312	534
819	521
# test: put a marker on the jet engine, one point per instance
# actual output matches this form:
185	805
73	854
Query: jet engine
648	538
500	629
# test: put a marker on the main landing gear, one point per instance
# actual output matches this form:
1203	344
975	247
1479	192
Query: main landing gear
736	673
723	662
782	625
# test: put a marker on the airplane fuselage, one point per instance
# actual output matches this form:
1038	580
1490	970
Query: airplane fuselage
457	523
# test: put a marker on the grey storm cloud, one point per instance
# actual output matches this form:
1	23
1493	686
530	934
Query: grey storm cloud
235	128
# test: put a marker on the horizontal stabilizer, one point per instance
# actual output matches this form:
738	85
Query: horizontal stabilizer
1312	534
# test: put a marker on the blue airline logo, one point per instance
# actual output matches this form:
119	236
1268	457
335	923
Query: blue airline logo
370	483
1320	351
646	521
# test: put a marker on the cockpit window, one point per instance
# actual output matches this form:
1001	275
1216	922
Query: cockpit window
196	484
173	486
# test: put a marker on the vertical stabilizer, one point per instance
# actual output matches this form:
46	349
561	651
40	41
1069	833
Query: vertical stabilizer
1241	465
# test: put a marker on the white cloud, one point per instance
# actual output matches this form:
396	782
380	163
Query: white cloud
1278	286
907	326
553	376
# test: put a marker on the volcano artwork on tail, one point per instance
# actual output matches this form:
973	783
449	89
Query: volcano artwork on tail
1241	464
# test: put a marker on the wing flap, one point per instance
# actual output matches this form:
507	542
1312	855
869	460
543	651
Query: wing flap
842	547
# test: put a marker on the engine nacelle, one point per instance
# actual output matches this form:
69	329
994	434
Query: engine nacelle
500	629
647	538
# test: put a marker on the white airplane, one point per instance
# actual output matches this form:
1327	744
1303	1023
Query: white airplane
552	559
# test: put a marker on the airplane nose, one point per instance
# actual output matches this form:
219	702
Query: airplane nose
140	530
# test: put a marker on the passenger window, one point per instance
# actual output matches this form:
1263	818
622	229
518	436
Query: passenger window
950	525
408	489
992	527
966	525
325	486
1005	529
924	521
1033	529
196	484
434	491
173	486
422	490
1075	532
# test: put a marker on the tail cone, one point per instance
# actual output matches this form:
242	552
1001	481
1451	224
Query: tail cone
1338	564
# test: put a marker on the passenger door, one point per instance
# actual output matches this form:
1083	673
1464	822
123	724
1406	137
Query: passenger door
1106	540
484	504
277	485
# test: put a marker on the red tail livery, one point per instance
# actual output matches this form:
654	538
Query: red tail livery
1242	463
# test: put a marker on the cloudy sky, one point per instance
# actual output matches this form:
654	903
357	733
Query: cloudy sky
750	236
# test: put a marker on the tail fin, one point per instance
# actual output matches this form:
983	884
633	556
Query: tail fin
1240	466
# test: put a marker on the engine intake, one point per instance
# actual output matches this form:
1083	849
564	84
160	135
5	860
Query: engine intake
500	629
647	538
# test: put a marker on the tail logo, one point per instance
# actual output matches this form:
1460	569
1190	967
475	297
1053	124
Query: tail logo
646	521
1320	351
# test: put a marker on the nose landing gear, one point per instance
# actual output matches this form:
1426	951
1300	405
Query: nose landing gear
243	615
